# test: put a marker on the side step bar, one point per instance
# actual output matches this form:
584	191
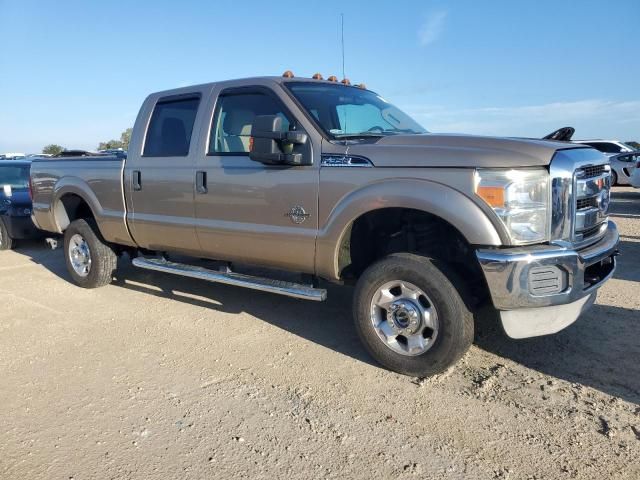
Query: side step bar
288	289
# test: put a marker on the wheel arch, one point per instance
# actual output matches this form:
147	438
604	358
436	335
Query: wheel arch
73	200
437	201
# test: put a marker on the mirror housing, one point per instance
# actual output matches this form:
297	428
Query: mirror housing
272	146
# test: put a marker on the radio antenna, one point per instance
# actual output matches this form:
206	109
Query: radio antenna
342	41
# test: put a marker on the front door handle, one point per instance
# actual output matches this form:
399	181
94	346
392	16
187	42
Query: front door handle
201	182
137	180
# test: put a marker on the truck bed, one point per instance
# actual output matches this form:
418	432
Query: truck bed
58	182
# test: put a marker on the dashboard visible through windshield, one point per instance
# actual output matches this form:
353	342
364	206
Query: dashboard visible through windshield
352	112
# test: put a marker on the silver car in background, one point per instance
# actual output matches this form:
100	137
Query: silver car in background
635	175
623	158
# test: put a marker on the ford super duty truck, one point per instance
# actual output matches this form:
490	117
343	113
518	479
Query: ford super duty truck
331	181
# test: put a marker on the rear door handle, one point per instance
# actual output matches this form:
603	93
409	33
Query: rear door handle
201	182
137	180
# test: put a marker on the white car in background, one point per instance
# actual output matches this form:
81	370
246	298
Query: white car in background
635	176
623	158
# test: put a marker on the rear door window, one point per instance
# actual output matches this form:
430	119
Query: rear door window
171	127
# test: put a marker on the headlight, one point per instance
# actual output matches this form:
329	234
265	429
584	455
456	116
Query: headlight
520	198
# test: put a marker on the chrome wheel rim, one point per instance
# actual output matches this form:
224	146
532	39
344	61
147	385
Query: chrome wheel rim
404	318
79	255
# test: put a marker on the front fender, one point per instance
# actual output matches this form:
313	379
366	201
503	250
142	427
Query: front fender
428	196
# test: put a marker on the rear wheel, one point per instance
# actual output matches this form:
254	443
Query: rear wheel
411	316
90	260
6	242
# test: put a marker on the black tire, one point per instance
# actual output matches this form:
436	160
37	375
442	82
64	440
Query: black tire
456	325
614	178
103	259
6	242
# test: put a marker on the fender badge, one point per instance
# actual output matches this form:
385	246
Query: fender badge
297	214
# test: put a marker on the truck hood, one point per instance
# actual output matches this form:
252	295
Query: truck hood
451	150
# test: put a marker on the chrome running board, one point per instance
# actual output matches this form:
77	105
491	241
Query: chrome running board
280	287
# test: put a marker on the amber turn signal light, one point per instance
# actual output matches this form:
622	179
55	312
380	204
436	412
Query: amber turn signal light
494	196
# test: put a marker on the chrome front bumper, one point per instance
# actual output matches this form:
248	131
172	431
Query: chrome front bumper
511	276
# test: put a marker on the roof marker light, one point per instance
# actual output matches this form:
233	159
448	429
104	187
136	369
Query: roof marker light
332	78
345	81
288	74
317	76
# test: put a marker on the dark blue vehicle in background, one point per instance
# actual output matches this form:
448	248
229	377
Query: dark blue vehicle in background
15	203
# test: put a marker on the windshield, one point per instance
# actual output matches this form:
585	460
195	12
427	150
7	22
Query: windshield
344	111
16	177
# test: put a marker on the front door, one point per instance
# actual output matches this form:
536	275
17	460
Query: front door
250	212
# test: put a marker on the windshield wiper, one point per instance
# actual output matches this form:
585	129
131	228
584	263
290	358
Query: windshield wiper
347	136
380	134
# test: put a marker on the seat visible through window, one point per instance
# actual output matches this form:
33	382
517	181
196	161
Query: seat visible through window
231	128
170	128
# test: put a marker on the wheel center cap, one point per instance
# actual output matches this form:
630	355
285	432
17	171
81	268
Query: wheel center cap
404	317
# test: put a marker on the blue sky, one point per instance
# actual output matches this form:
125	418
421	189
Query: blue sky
75	72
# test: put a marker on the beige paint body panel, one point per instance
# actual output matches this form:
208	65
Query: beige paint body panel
98	182
161	215
450	150
348	193
243	215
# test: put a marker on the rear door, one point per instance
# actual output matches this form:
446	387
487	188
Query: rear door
250	212
159	175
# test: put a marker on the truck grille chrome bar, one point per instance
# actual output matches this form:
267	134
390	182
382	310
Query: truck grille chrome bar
593	195
580	191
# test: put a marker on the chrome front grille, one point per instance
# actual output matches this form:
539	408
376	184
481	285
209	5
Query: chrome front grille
592	197
592	170
583	203
580	187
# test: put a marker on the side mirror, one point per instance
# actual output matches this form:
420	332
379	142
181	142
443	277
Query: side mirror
270	145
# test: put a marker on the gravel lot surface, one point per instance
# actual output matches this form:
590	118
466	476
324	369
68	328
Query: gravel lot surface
158	377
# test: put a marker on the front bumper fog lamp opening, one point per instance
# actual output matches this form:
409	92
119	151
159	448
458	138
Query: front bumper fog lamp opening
547	280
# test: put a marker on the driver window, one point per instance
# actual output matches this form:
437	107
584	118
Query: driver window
231	127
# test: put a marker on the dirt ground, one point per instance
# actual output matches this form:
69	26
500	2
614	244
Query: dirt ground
158	377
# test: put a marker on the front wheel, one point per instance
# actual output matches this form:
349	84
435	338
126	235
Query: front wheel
90	260
411	316
614	178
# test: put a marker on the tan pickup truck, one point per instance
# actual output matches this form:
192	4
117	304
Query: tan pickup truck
332	182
